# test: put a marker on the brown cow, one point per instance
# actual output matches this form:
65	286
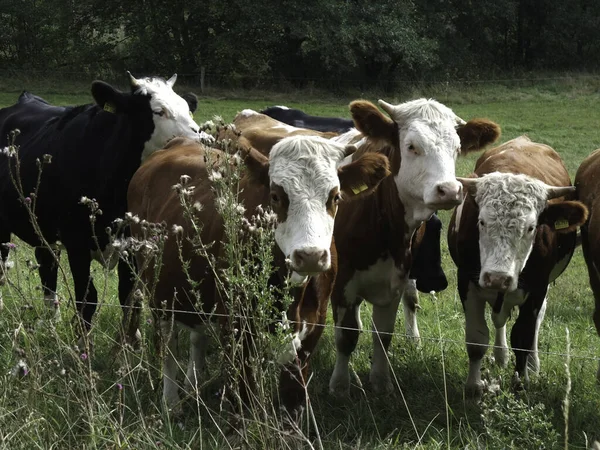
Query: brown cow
375	238
513	234
587	182
422	139
302	184
262	132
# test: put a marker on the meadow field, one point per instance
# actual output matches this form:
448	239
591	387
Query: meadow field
53	395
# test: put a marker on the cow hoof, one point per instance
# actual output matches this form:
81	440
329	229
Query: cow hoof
381	384
340	385
474	391
517	384
501	356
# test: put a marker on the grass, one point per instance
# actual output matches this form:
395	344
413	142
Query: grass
85	408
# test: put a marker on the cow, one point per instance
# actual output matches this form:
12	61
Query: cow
513	234
587	182
422	139
253	129
300	181
300	119
192	101
72	175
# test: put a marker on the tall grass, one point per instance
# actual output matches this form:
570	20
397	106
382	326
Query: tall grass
56	395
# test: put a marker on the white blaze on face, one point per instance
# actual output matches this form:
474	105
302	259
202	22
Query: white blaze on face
305	168
170	113
509	207
429	145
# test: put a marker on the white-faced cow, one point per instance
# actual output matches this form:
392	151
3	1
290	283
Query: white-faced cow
300	181
587	182
422	139
513	234
84	153
426	273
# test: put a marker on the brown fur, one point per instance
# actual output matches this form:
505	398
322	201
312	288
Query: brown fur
370	121
587	182
519	156
477	134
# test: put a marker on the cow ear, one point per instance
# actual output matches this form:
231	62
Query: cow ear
192	101
477	134
257	165
362	176
564	217
373	123
107	97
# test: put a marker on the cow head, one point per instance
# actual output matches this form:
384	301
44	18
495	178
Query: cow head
426	136
306	186
511	207
153	98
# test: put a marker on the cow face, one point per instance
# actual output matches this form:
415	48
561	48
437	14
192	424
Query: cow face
306	186
511	207
427	137
170	112
429	145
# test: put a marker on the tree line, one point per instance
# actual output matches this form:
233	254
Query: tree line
322	42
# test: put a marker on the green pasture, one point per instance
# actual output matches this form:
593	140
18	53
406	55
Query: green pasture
428	409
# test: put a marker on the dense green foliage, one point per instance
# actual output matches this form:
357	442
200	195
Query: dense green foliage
324	43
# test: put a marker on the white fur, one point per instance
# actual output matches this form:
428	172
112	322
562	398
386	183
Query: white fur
306	168
281	107
286	127
288	355
248	113
175	121
349	137
430	128
509	207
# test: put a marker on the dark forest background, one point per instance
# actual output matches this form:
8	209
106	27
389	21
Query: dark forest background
321	43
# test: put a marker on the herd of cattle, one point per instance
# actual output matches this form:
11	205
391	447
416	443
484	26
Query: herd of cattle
355	203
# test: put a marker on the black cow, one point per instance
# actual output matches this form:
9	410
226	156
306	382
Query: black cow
300	119
87	156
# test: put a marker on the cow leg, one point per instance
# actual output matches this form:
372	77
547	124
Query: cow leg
384	318
169	332
523	334
86	297
197	359
410	304
596	289
499	319
130	305
348	326
593	264
48	270
477	337
533	361
4	241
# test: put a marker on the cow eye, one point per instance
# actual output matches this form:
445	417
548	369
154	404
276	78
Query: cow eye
531	228
274	197
161	112
481	223
411	148
337	198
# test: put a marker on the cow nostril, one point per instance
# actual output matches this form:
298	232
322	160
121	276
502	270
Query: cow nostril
486	279
441	191
323	258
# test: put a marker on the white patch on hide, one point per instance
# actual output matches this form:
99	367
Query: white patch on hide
288	355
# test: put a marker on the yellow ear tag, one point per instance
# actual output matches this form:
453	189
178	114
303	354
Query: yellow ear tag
109	107
561	224
359	189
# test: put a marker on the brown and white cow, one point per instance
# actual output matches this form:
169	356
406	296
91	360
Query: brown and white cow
513	234
422	139
301	182
587	182
262	132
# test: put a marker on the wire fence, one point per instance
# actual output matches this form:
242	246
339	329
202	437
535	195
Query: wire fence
208	316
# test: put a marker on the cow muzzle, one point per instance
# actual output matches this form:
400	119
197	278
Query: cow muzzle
446	195
310	260
498	281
